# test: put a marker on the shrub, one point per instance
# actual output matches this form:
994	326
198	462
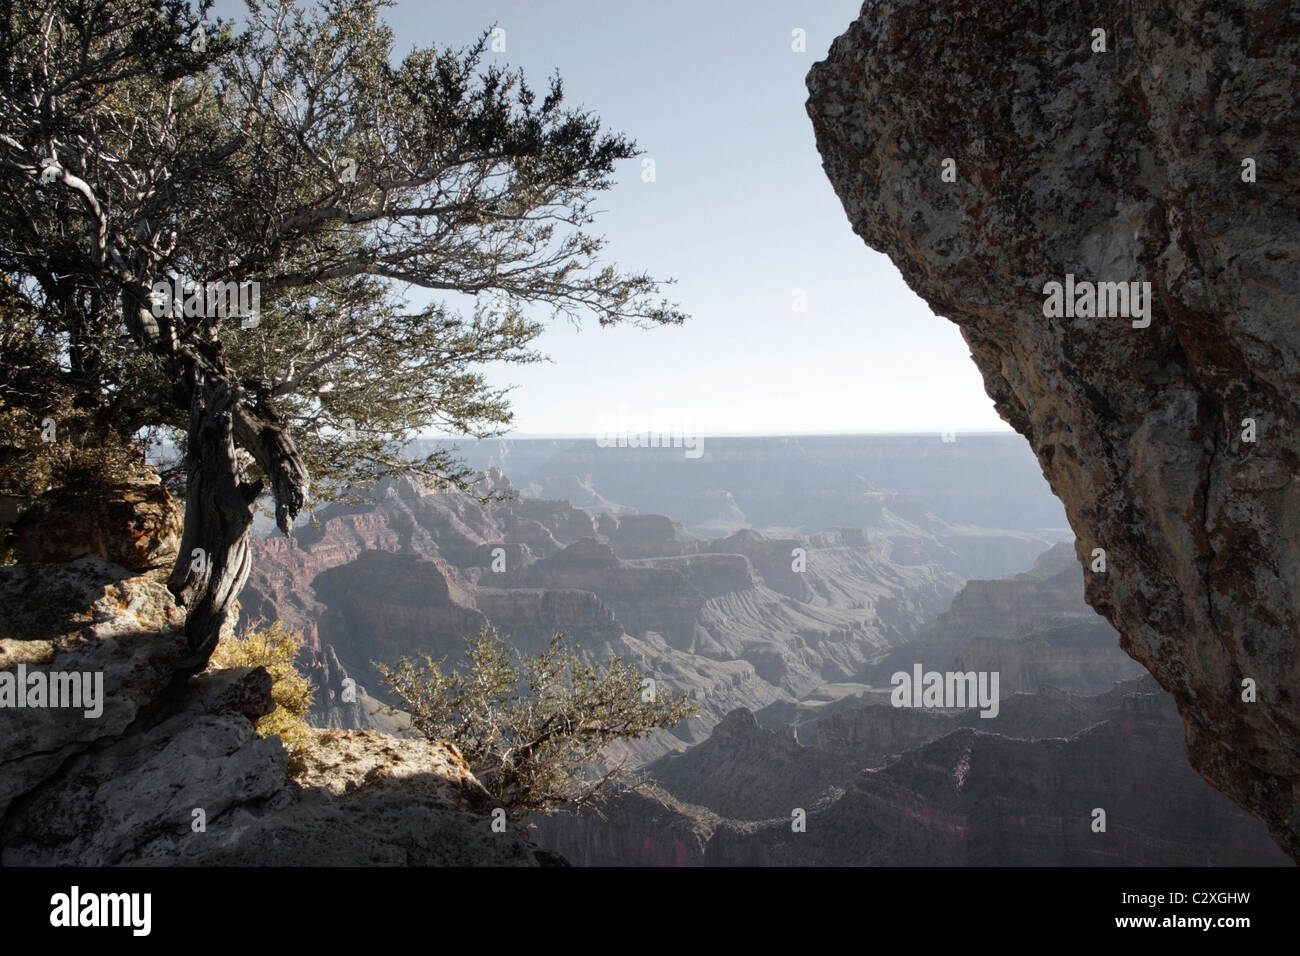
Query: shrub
533	731
275	649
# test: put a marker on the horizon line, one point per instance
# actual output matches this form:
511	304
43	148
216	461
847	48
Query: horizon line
592	436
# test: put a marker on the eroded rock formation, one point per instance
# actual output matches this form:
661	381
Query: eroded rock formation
422	570
136	525
1163	154
885	786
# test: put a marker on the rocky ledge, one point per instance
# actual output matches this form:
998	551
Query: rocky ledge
148	769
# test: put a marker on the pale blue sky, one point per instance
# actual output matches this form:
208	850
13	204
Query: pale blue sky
740	214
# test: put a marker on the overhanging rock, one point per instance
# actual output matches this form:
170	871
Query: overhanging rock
992	149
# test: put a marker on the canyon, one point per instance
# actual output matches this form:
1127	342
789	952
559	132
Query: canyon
1082	728
785	638
744	619
791	669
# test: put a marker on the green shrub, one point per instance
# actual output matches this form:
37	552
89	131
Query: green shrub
533	729
275	649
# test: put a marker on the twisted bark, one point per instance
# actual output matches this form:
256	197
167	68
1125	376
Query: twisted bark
214	558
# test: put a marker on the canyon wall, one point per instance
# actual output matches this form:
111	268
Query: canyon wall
421	570
881	786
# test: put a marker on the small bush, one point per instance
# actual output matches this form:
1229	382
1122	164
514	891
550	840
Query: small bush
533	728
275	648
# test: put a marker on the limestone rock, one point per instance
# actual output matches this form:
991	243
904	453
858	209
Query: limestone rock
106	803
87	616
173	772
367	800
136	525
1124	166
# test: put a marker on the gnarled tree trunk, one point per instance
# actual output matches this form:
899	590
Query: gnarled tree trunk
213	562
214	557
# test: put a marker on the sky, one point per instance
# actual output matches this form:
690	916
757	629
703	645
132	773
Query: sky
740	213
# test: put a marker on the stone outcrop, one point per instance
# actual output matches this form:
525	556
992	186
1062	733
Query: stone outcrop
712	575
173	771
1033	628
770	557
85	617
1169	430
384	606
643	598
340	702
532	616
366	798
136	525
1050	594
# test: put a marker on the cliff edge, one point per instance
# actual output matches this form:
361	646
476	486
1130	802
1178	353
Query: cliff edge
110	755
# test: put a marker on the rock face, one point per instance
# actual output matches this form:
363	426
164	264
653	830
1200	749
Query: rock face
1170	436
1033	628
136	525
84	617
122	786
340	702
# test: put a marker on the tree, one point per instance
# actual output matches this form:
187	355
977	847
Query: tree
533	731
300	179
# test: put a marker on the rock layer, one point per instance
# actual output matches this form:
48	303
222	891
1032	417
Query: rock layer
424	569
136	525
900	787
1130	165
